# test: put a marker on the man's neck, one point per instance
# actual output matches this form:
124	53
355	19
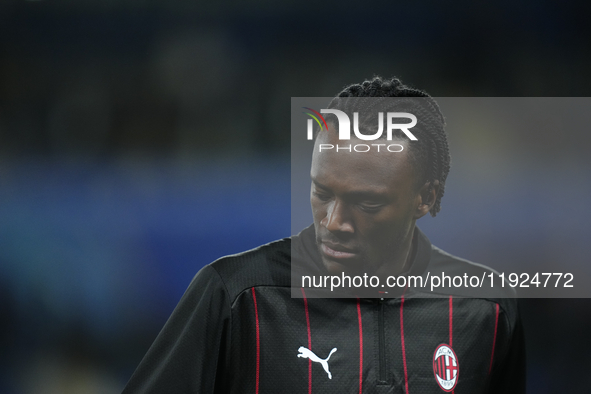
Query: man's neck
402	261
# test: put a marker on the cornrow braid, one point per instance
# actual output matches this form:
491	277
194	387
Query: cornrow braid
430	153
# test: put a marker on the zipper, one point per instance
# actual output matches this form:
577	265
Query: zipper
381	344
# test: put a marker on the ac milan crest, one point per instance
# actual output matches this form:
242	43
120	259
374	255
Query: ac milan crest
446	367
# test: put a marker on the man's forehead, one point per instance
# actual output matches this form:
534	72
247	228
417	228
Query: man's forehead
375	168
372	155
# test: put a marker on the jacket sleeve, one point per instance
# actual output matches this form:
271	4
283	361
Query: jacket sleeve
188	354
509	374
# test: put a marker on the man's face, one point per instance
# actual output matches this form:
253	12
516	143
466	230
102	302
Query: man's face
364	206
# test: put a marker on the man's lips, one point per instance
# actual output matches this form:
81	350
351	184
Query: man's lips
337	251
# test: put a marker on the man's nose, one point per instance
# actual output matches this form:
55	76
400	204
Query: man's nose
337	218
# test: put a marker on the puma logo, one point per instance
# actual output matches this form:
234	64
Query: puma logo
307	353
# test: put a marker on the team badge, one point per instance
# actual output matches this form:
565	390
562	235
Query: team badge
446	367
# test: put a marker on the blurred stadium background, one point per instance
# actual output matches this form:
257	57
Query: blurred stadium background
140	140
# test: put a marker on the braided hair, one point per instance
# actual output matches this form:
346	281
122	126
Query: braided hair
429	153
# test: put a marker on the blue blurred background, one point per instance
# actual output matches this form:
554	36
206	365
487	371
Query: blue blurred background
140	140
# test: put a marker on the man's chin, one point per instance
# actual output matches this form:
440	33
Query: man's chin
347	267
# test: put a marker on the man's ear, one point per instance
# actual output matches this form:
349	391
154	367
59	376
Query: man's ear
427	197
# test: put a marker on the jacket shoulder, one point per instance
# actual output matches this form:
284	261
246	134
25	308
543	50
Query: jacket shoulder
266	265
446	264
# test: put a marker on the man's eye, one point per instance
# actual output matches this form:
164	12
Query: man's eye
368	207
322	196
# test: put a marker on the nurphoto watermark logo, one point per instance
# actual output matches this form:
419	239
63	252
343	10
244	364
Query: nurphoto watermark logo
344	130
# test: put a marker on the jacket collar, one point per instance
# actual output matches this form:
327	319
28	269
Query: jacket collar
306	259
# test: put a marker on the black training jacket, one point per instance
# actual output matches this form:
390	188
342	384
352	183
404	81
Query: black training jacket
237	329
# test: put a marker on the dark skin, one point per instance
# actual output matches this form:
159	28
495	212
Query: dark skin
365	206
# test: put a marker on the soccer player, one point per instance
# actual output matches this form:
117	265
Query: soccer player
247	325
